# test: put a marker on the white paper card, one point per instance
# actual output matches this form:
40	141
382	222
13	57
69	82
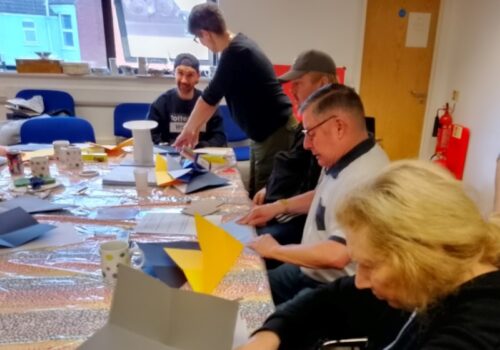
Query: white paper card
171	223
417	33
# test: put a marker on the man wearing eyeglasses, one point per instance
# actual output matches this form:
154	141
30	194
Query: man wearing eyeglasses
172	109
335	132
246	79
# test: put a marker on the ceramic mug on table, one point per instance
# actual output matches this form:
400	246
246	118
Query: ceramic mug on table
117	252
40	166
58	145
71	157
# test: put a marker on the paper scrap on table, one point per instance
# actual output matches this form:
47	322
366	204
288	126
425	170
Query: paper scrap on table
219	251
203	207
116	213
171	223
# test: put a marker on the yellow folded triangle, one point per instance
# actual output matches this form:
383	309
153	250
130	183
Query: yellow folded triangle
114	151
162	176
48	152
205	269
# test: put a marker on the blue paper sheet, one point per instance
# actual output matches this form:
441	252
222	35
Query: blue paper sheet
19	227
159	265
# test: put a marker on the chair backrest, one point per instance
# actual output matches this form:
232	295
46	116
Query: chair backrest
47	130
53	100
232	130
125	112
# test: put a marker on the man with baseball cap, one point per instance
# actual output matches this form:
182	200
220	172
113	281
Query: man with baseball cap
296	171
172	109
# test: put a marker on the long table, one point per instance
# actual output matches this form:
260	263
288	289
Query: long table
55	298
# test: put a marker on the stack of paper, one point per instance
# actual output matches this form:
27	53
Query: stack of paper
27	108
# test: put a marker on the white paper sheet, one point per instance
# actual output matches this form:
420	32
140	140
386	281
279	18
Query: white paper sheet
171	223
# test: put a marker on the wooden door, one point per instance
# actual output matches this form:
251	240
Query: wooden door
395	72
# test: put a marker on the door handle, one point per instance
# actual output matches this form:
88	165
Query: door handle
420	95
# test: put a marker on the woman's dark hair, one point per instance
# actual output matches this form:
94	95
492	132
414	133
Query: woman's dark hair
207	17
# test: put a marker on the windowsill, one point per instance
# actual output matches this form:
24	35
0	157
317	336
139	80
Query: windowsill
86	76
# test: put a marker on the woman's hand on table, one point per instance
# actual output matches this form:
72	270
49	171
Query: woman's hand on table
265	340
261	214
186	139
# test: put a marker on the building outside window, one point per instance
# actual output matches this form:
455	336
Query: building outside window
75	31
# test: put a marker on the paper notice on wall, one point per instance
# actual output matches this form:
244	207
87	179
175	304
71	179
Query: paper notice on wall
417	33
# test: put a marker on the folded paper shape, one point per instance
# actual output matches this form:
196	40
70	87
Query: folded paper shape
158	264
163	178
115	151
19	227
147	314
219	251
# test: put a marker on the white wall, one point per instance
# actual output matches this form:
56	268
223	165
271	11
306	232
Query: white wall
284	28
467	59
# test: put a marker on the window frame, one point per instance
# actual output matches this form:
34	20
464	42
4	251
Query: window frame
66	31
32	30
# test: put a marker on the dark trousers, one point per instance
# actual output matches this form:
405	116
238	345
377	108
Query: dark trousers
287	281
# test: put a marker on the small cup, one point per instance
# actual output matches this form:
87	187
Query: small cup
141	179
142	66
40	166
71	157
58	145
114	253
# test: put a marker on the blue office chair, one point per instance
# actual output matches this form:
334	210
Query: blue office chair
236	137
125	112
47	130
54	101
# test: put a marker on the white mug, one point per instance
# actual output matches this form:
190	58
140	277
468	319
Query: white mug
71	157
40	166
114	253
58	145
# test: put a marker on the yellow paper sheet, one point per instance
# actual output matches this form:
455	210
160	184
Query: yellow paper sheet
161	171
49	152
204	269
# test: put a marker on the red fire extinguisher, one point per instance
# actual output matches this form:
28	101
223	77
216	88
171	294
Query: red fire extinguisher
444	126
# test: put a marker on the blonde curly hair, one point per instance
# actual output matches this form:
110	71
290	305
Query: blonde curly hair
418	217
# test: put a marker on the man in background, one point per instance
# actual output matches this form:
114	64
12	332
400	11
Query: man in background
296	171
172	109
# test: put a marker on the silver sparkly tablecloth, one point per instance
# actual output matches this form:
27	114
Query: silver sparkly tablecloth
55	298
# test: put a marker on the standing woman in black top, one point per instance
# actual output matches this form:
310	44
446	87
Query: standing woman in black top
246	79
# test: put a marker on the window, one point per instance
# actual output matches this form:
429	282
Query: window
29	32
71	30
67	30
156	29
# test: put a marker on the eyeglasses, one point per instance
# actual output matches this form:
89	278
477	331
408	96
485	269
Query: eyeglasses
307	132
196	39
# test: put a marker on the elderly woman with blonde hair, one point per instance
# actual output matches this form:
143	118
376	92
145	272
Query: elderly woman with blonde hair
421	244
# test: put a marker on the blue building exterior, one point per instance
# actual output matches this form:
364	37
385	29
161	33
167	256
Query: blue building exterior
28	26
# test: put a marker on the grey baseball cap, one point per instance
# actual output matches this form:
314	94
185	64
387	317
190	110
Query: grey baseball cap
186	59
309	61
